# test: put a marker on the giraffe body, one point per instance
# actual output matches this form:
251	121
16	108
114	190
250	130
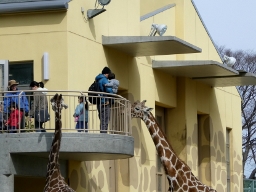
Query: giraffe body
54	181
179	175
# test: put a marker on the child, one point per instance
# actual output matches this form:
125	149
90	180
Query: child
14	119
113	83
81	113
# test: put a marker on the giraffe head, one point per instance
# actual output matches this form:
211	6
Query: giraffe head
139	110
57	102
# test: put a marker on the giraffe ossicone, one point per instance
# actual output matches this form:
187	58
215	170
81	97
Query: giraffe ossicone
179	174
54	180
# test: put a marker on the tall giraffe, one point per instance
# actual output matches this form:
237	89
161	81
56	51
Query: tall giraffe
54	181
179	174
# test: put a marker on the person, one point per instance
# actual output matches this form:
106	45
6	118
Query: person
2	119
12	97
14	119
42	88
112	82
81	113
40	104
103	106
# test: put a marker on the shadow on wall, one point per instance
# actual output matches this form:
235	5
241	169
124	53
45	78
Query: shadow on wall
92	28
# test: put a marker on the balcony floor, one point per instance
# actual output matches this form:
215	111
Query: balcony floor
74	146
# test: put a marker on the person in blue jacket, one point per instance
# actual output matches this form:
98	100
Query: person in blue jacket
104	105
81	113
13	97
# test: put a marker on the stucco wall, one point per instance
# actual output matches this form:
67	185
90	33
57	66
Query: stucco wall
77	56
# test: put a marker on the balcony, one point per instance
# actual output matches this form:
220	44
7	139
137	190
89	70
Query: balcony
77	144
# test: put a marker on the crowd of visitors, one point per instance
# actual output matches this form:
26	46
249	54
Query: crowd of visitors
16	106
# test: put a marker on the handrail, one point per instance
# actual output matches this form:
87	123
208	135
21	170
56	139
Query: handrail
118	122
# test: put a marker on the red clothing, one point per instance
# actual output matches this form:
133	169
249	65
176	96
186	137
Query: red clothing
15	118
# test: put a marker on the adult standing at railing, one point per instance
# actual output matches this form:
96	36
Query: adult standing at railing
39	108
104	105
17	97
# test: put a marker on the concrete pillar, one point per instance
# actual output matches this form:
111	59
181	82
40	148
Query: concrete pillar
6	183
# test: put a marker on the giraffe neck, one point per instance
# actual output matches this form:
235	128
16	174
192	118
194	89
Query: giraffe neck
164	149
54	151
179	175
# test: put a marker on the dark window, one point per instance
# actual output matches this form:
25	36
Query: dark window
22	72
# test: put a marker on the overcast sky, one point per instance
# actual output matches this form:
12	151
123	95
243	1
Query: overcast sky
231	23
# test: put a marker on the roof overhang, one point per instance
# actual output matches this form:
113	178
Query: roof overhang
244	78
33	6
210	72
149	45
194	68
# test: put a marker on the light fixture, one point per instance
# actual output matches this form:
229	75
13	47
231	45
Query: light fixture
229	61
94	12
158	28
104	2
46	66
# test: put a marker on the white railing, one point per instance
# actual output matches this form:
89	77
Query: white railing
118	122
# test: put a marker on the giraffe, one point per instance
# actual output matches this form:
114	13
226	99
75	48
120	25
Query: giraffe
179	174
54	181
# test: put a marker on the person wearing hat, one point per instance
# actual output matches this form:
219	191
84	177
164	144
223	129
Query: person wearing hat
104	105
18	97
39	109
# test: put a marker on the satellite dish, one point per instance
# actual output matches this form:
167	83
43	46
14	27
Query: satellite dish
104	2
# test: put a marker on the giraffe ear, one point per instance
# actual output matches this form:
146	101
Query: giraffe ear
149	109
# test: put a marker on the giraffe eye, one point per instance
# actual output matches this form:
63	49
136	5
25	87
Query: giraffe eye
137	108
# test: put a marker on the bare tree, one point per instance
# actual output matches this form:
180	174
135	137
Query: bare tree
246	61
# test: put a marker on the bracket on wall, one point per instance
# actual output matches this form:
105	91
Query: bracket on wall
94	12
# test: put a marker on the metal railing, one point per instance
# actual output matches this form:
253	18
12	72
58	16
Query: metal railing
110	114
249	185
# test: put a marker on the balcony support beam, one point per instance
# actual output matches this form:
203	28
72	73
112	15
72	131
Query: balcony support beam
7	182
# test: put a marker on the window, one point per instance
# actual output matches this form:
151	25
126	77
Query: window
228	131
161	179
22	72
159	175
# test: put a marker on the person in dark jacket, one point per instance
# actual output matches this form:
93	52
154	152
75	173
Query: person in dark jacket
104	105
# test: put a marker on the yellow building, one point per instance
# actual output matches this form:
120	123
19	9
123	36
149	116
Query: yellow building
180	74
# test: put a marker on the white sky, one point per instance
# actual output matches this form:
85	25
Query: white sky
231	23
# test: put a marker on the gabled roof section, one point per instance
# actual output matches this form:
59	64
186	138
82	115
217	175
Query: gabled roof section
198	13
151	14
23	6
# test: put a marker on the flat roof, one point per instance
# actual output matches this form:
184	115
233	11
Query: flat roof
207	71
22	6
244	78
149	45
196	68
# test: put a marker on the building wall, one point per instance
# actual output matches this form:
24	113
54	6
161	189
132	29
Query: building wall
77	56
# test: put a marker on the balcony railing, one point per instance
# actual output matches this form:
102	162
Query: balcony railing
119	121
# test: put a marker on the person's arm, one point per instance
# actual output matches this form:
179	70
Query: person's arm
6	102
33	106
77	111
107	89
25	102
109	84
